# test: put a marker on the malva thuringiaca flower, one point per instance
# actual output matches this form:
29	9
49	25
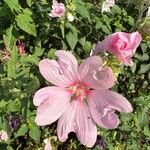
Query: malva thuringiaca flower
107	4
58	9
80	97
122	45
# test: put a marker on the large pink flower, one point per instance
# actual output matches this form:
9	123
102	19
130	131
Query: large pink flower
58	9
121	44
80	97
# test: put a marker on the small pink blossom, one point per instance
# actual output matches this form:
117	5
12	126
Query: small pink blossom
80	98
58	9
122	45
48	145
3	135
21	47
107	4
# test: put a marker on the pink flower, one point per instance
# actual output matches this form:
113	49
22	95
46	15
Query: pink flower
107	4
122	45
58	9
48	145
80	97
3	135
21	47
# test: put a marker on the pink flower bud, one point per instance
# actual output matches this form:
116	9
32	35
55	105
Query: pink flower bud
70	17
48	145
122	45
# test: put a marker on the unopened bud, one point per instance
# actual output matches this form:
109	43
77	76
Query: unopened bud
70	17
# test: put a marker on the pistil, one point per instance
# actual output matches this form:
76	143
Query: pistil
79	91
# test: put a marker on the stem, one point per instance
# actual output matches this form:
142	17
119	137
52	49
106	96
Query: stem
148	13
140	16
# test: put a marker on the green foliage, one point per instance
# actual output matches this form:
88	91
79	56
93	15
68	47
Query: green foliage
22	130
13	5
25	22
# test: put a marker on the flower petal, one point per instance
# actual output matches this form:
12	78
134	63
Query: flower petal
66	122
135	40
48	145
67	63
102	104
86	128
94	75
92	62
51	102
77	119
62	73
103	45
123	45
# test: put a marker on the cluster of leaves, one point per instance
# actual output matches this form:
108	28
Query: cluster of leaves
29	22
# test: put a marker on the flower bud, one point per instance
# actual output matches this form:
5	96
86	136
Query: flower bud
70	17
3	136
144	28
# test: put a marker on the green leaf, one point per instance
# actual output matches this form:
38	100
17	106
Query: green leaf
133	68
51	53
29	2
82	41
14	55
5	11
87	46
12	62
144	68
38	51
14	106
99	24
30	59
145	57
131	20
73	28
143	47
116	10
72	40
10	69
33	84
9	38
22	130
25	22
83	11
35	133
14	5
106	29
62	30
1	123
3	105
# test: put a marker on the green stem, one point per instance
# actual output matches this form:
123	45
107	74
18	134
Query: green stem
139	17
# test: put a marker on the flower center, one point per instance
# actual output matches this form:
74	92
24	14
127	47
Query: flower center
59	10
79	91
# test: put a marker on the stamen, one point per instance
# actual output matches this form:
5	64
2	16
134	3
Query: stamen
79	91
